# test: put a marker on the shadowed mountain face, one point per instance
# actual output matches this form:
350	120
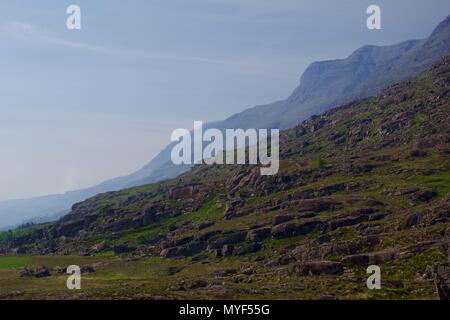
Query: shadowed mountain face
324	85
362	184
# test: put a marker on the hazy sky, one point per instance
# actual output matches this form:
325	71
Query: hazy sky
79	107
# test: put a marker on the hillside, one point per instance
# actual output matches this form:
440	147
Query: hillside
323	86
365	183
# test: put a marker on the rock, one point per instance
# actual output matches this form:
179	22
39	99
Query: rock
61	270
306	214
87	269
227	250
284	230
183	251
123	248
225	272
42	272
357	259
442	281
318	268
324	238
424	196
316	205
25	272
176	242
173	270
199	258
281	219
383	256
183	191
20	250
308	226
217	253
417	153
69	228
292	229
280	261
410	221
258	234
98	247
207	235
169	252
198	284
205	225
248	271
251	248
346	221
228	239
365	259
374	202
123	224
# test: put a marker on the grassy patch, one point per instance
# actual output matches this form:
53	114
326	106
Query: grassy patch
12	262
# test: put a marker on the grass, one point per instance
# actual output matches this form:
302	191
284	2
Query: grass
13	262
440	182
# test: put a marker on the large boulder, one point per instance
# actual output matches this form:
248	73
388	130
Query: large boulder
258	234
42	272
183	251
346	221
251	248
410	221
227	239
284	230
291	229
26	272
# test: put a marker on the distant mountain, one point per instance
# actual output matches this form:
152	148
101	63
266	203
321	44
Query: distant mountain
327	84
324	85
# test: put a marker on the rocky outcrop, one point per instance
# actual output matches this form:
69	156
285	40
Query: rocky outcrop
291	229
227	239
318	268
371	258
258	234
183	251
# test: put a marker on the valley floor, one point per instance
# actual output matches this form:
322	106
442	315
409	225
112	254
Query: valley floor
228	278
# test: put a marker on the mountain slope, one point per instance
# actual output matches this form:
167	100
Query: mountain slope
324	85
327	84
365	183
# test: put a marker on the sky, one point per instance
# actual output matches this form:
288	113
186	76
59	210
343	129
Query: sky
81	106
